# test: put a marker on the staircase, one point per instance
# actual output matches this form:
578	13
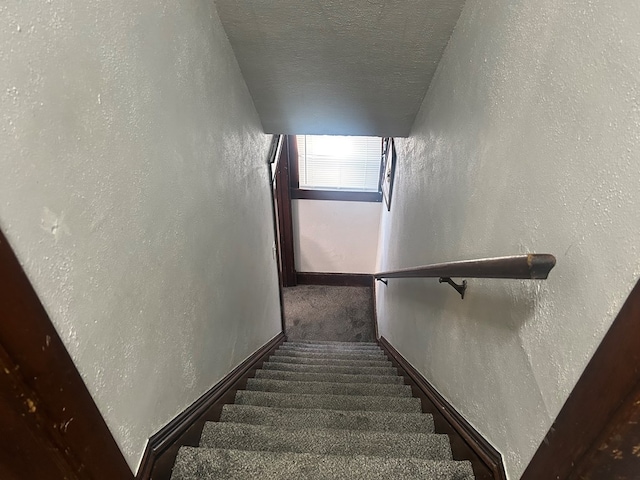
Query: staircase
323	410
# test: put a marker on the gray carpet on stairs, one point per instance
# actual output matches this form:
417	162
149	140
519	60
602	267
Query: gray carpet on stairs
334	350
333	343
296	418
351	347
328	377
363	362
293	367
341	355
323	410
332	388
328	401
240	436
212	464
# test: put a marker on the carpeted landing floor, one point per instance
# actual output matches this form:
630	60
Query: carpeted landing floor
317	312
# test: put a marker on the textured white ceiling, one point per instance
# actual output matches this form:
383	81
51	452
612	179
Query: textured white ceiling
350	67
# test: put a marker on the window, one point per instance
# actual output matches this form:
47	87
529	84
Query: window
337	167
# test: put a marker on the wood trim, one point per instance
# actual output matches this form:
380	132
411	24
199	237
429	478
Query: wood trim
382	164
294	170
277	141
285	219
615	454
186	428
335	279
596	434
274	162
51	427
466	442
389	160
374	290
301	194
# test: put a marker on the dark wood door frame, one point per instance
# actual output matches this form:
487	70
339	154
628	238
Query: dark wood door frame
274	163
284	214
51	427
596	435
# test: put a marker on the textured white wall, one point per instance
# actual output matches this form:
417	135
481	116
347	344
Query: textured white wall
335	237
134	189
528	140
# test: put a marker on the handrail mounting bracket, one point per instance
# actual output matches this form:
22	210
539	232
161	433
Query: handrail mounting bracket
459	288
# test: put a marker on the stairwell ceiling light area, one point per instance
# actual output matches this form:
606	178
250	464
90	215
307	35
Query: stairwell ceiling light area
338	67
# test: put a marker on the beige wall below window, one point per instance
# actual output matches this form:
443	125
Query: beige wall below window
334	236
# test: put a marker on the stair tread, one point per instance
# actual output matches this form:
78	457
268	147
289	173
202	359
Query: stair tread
331	402
341	355
329	361
329	377
242	436
323	410
332	388
329	345
208	464
354	369
327	342
296	418
329	348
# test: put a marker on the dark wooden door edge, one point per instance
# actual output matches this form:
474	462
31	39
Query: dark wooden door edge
466	442
285	215
185	429
335	279
42	388
594	435
616	452
375	311
276	226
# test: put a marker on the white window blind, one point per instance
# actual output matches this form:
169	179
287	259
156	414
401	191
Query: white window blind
339	163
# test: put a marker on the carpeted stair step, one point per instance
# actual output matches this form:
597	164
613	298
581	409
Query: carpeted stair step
328	388
330	348
329	361
342	351
344	356
240	436
328	345
328	377
330	402
351	353
339	350
209	464
356	370
344	344
294	418
323	411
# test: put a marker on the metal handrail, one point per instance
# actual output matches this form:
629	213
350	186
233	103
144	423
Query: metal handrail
534	266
